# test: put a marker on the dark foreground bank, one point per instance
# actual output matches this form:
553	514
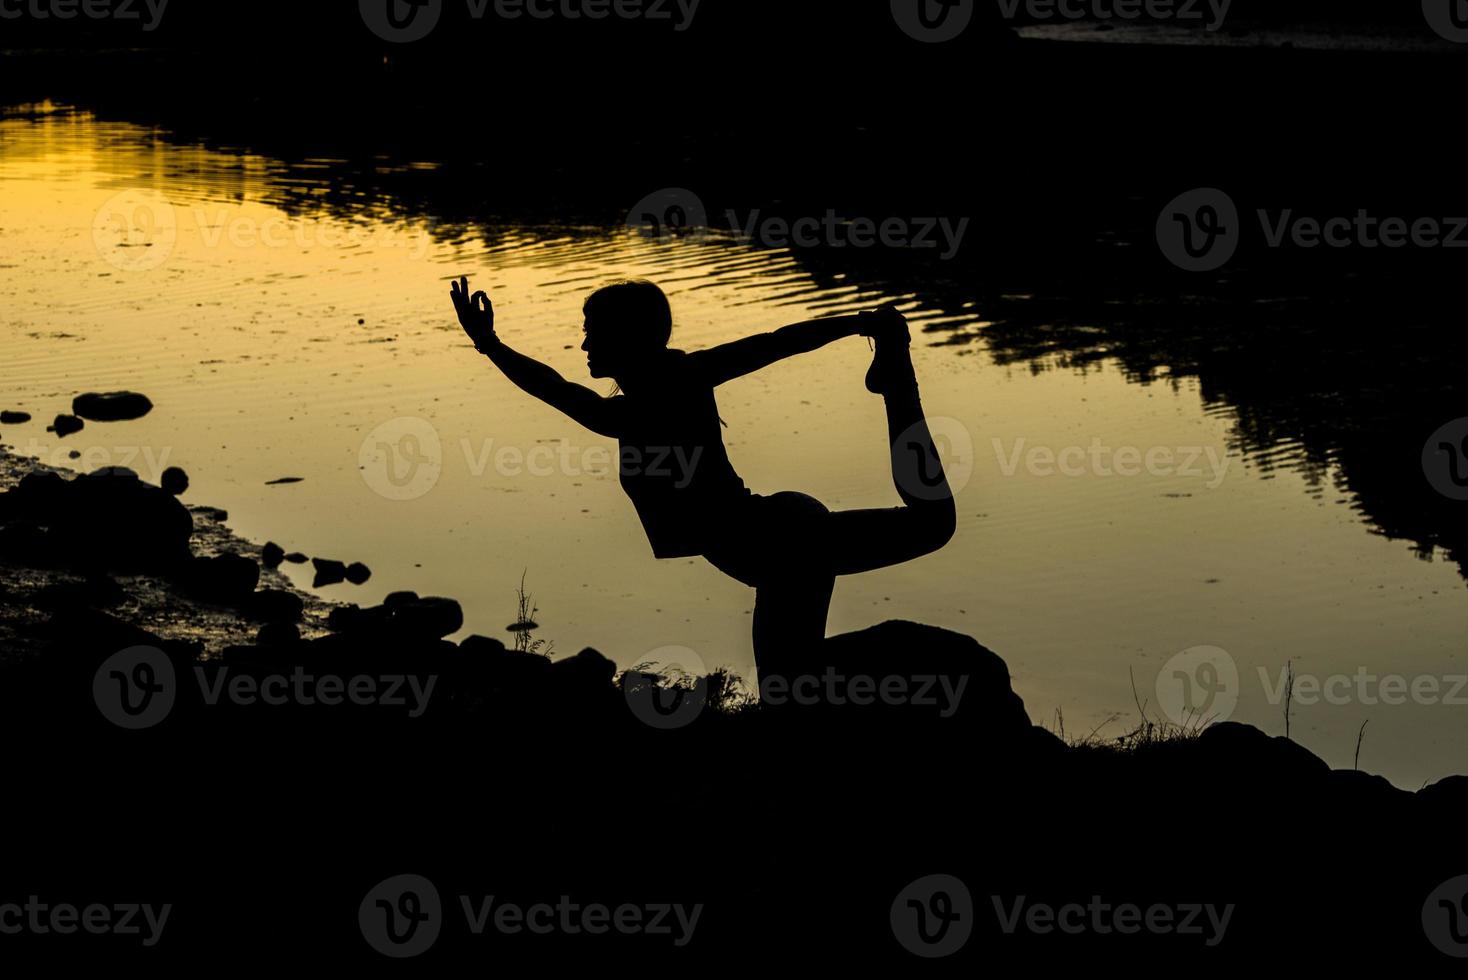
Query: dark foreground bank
261	777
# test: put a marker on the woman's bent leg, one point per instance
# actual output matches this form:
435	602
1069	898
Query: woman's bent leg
862	540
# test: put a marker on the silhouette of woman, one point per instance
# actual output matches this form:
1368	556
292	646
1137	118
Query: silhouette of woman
673	465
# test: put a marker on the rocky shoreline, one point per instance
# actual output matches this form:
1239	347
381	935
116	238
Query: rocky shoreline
144	598
160	671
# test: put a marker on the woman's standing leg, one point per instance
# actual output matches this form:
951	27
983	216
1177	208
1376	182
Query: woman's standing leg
790	623
779	545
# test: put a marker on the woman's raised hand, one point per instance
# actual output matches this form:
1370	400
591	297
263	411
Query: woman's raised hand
475	317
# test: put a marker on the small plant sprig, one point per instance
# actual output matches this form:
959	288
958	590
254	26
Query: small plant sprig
525	623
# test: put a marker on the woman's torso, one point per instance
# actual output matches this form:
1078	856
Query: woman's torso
672	460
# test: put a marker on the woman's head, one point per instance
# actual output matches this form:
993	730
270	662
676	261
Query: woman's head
625	322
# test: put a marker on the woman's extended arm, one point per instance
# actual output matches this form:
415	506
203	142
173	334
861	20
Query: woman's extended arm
541	380
740	357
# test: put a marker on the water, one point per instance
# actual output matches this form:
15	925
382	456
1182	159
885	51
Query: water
282	337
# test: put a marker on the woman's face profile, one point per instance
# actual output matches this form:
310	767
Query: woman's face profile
601	347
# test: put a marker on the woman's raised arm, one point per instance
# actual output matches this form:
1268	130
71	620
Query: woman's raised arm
740	357
531	376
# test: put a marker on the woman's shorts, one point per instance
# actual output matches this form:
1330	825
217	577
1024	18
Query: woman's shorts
770	539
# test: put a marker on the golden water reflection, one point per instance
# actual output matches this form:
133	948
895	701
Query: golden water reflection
288	321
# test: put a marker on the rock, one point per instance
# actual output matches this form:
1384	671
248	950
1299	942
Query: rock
38	498
329	571
403	615
284	480
342	619
351	618
26	544
428	618
1230	747
274	606
296	558
100	633
1450	794
93	592
174	480
358	573
482	646
271	555
14	418
112	519
278	635
125	472
226	578
65	425
588	669
1044	744
113	406
514	672
1353	787
74	454
930	676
